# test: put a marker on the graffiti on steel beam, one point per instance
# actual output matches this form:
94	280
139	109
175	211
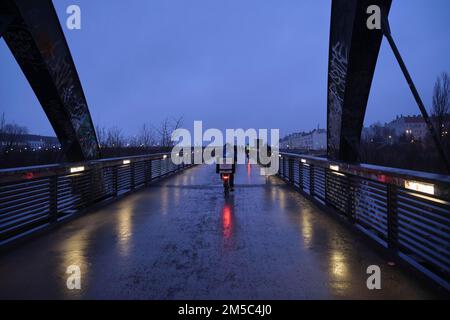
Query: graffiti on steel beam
336	89
37	42
353	55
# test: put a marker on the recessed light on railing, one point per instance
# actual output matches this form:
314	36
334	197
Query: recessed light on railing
126	161
334	167
165	156
76	169
420	186
303	160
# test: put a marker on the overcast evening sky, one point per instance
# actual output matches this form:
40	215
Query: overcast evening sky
232	64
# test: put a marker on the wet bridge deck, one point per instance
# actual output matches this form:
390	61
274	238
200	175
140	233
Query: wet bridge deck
180	239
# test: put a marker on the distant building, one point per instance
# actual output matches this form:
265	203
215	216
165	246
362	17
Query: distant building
368	133
314	140
414	126
28	140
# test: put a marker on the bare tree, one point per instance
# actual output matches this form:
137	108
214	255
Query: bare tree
163	132
102	135
167	127
115	138
11	134
2	129
441	104
2	122
145	137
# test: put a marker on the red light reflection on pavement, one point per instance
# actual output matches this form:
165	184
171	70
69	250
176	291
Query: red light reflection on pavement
227	221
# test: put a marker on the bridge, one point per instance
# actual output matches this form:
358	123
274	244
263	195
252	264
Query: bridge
144	227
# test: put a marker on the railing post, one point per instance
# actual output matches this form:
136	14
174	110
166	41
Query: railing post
311	180
150	171
280	167
92	186
300	175
327	182
159	168
392	218
115	181
53	206
147	172
291	170
325	185
350	199
162	167
132	172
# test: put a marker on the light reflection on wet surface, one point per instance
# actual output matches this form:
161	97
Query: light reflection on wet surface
338	270
227	220
75	253
181	239
307	230
125	230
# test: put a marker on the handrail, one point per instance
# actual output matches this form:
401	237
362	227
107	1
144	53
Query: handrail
407	212
34	198
24	173
395	176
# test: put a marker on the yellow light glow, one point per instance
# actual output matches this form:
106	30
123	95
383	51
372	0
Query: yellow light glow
420	186
334	168
307	228
76	169
126	162
421	196
124	230
338	264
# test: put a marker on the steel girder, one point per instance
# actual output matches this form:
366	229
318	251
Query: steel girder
35	38
353	55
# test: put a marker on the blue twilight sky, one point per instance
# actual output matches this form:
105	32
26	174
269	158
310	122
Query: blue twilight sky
230	63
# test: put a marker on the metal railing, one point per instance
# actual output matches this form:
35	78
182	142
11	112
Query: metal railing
33	198
407	212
